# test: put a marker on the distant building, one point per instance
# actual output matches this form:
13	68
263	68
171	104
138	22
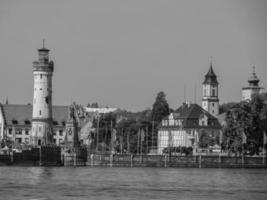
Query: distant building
100	110
253	88
186	126
16	123
210	100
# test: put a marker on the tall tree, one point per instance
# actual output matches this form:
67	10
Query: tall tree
160	107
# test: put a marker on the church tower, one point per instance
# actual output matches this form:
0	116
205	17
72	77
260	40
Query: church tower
42	123
210	100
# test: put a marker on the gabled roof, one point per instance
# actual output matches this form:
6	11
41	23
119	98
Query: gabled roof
210	77
21	113
60	113
190	115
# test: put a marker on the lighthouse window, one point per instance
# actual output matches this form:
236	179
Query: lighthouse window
40	129
40	112
41	76
213	92
47	99
60	132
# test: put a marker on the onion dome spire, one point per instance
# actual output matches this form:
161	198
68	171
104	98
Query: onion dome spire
253	80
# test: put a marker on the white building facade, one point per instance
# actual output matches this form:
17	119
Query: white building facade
16	123
184	128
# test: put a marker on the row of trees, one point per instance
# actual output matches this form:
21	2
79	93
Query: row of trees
135	132
245	125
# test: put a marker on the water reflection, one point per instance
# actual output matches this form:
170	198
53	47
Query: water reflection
135	183
38	174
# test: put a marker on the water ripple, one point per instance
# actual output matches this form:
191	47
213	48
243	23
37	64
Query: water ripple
45	183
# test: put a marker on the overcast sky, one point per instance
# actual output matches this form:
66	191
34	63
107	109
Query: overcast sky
122	53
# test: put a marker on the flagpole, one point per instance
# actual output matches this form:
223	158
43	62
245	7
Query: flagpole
138	135
97	133
146	140
152	135
121	139
141	146
111	138
128	142
263	148
242	154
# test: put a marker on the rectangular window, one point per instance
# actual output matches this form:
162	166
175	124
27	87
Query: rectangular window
18	140
40	112
26	132
26	140
40	129
60	132
10	131
18	132
41	76
213	93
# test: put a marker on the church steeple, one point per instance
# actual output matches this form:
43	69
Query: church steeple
210	77
210	100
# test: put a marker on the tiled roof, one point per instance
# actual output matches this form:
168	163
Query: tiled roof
21	113
60	114
190	114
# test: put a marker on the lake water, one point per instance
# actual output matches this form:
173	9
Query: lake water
131	183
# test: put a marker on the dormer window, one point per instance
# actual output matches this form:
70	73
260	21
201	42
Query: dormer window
14	121
27	122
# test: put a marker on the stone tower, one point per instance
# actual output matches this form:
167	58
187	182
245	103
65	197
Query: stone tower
42	123
253	88
210	100
72	128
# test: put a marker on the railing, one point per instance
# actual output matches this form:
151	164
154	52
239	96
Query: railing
200	161
52	156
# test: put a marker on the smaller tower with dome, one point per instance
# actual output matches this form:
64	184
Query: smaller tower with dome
253	88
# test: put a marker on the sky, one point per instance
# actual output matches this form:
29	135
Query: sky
121	53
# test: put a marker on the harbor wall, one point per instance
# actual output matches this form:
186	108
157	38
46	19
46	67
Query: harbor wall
54	156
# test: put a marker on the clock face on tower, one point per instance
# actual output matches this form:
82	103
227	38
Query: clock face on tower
69	131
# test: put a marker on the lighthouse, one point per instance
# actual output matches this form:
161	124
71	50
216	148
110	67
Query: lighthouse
42	122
